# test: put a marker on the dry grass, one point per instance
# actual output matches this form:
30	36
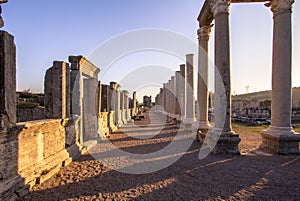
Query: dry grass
250	136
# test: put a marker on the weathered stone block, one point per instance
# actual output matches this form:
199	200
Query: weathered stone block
111	122
227	143
103	125
280	144
9	155
57	91
7	77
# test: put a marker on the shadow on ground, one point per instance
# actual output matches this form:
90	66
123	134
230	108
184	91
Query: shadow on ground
245	177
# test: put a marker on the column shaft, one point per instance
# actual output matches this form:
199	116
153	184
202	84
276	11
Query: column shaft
222	103
190	102
202	95
281	70
183	90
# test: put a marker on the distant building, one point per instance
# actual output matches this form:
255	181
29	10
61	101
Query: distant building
147	101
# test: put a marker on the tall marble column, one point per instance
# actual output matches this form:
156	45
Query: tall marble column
165	97
173	96
123	105
190	100
226	140
177	91
126	102
202	95
183	91
280	138
134	103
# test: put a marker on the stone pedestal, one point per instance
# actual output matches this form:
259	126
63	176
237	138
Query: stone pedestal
222	142
281	141
7	79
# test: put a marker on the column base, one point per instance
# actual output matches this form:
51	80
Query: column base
222	142
201	133
130	120
112	128
280	140
188	124
120	123
204	126
103	133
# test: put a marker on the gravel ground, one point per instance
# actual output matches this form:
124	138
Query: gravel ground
251	176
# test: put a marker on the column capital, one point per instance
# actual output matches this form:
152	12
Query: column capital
280	6
204	32
125	92
219	6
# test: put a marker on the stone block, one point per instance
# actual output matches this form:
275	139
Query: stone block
57	91
103	125
281	144
7	77
227	143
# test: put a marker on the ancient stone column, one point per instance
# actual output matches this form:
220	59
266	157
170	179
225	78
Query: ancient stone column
202	95
134	103
182	89
126	102
190	101
118	106
226	140
165	97
169	109
8	98
280	138
107	107
177	90
77	96
123	106
81	69
116	102
173	96
103	119
57	91
99	98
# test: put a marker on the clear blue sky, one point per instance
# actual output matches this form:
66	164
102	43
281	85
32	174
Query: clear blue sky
52	30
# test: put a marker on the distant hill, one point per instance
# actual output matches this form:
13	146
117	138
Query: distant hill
266	95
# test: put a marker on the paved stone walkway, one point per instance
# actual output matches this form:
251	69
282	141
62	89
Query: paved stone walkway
245	177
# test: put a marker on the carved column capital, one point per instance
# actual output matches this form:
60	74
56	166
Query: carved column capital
204	32
219	6
280	6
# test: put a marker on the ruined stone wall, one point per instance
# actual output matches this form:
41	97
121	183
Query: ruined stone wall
31	152
30	113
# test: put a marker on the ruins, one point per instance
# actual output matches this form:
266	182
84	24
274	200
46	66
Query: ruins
279	138
79	110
